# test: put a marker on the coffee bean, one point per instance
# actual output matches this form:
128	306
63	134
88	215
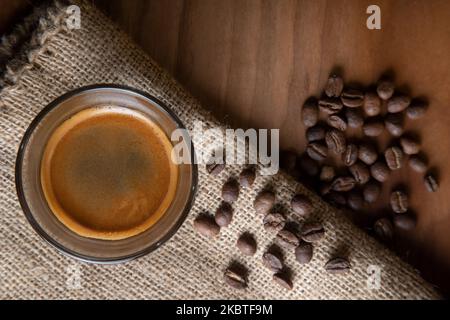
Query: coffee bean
272	261
247	177
404	221
215	168
394	124
355	200
417	163
380	171
367	153
264	202
274	222
309	166
312	232
352	98
327	173
371	191
287	239
304	252
317	151
398	103
310	113
360	172
315	133
338	265
372	104
354	117
288	161
246	244
224	214
335	141
343	183
399	201
394	157
230	191
416	109
383	229
334	86
431	182
336	198
330	105
283	280
409	145
373	127
337	121
206	226
385	89
350	155
235	279
301	205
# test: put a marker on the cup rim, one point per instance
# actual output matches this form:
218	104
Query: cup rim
28	213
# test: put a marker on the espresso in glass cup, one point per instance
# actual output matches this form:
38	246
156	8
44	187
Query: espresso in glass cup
96	176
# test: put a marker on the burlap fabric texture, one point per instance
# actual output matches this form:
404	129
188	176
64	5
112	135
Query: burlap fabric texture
54	60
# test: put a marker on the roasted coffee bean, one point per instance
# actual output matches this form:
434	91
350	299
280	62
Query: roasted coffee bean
352	98
335	141
274	222
224	214
330	105
384	229
343	183
301	205
380	171
355	200
409	145
373	127
385	89
283	280
394	124
399	201
360	172
417	163
367	153
317	151
371	191
288	161
350	155
287	239
264	202
310	113
416	109
206	226
312	232
398	103
215	168
372	104
304	252
247	177
404	221
337	121
334	86
354	117
309	166
246	244
394	157
272	261
327	173
315	133
431	182
336	198
338	265
230	191
235	278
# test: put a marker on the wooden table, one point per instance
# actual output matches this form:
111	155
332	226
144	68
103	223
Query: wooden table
253	63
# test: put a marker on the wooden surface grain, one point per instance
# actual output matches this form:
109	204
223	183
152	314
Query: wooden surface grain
254	62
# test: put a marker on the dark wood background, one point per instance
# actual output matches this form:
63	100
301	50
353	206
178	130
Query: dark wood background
254	62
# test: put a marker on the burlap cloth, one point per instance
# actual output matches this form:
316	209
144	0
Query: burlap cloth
54	60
